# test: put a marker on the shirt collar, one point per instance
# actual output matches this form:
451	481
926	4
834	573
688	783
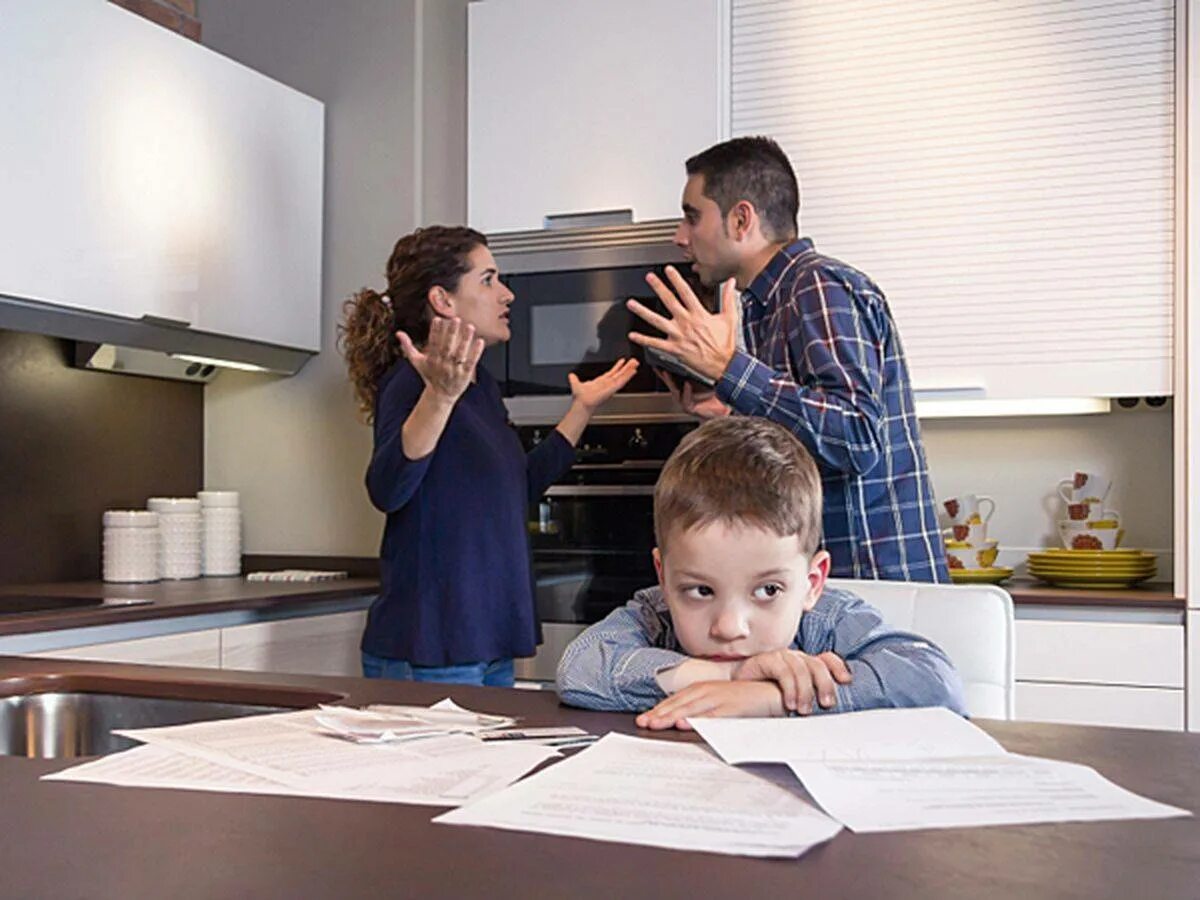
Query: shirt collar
761	286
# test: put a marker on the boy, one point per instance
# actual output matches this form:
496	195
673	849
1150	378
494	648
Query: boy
740	624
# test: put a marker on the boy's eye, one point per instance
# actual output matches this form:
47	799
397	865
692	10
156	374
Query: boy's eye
696	591
768	591
487	280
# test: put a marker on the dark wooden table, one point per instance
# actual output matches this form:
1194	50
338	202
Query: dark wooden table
77	840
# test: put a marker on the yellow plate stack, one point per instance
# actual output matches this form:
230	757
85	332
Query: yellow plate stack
1092	568
994	575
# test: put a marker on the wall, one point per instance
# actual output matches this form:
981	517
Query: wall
1020	461
396	118
392	74
77	442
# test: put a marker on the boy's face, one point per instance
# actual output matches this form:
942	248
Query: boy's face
735	590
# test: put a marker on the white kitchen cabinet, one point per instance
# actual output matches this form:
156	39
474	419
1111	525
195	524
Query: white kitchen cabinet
1128	674
1006	172
315	645
1126	653
590	105
1091	704
148	175
1193	670
201	649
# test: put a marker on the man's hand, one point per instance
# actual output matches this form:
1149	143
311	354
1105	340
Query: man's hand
703	340
700	403
715	699
801	678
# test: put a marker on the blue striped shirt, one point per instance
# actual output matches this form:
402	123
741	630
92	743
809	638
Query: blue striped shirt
823	358
615	663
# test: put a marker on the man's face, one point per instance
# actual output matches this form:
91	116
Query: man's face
735	590
703	235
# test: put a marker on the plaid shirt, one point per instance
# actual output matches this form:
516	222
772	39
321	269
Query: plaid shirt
823	358
615	664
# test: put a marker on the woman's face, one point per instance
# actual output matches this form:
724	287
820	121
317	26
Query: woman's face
482	300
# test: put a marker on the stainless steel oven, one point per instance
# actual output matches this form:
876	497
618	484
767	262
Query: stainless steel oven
569	316
593	531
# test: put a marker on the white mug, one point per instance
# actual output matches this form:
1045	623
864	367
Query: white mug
1084	487
965	509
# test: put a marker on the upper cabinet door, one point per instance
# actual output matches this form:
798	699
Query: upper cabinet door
590	105
1004	171
147	175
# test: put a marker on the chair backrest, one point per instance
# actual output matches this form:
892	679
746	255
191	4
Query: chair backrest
973	624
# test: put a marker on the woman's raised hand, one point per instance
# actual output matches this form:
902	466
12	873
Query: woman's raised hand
591	394
447	362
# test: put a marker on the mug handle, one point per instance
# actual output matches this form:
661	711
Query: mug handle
985	499
1114	515
1069	484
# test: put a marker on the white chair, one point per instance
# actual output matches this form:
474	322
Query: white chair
973	624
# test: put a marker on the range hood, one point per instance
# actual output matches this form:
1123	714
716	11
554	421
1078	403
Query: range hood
148	346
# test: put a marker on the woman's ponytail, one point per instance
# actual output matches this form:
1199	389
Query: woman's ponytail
367	338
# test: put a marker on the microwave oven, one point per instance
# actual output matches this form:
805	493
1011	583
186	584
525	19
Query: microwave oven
569	316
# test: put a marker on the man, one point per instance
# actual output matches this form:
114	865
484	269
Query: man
822	357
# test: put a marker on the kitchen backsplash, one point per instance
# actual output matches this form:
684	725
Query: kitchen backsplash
1019	462
74	443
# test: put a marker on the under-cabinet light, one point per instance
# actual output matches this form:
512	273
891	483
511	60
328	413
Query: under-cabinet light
224	363
1044	406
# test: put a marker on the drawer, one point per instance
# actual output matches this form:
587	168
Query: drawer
1086	704
1100	653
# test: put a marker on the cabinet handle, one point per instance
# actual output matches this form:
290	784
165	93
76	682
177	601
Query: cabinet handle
165	322
590	218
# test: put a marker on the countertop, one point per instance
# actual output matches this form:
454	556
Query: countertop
207	595
173	598
79	840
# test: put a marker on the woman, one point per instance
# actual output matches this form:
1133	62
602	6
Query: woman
456	603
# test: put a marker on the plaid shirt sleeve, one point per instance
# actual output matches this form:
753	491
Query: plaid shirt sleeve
890	667
837	410
615	663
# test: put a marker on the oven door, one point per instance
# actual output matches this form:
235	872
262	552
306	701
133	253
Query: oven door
591	550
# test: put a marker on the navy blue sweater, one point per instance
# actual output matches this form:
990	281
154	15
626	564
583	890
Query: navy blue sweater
457	583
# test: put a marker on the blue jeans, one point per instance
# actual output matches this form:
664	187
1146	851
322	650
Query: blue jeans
497	673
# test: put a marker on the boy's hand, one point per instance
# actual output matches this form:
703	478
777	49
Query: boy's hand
719	699
800	677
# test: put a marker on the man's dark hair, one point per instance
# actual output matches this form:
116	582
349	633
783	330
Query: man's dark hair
753	169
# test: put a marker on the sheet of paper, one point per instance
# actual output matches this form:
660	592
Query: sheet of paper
156	766
657	793
947	793
291	748
870	734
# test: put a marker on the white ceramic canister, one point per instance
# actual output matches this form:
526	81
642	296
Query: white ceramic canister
180	536
130	546
222	533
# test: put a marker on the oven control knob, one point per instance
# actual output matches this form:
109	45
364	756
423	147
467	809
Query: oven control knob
638	441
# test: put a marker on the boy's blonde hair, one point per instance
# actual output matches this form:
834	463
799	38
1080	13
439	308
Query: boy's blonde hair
740	469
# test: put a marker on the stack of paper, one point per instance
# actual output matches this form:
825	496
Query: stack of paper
901	769
291	753
383	724
657	793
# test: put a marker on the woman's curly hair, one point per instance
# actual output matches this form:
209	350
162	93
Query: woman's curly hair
437	255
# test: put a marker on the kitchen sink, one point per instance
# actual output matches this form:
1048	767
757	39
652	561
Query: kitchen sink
23	603
63	716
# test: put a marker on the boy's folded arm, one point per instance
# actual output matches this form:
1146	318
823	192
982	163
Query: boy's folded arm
898	669
890	667
614	666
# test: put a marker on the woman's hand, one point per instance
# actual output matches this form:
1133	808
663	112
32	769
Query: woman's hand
447	362
592	394
587	396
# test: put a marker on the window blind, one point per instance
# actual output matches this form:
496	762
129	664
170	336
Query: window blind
1004	169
